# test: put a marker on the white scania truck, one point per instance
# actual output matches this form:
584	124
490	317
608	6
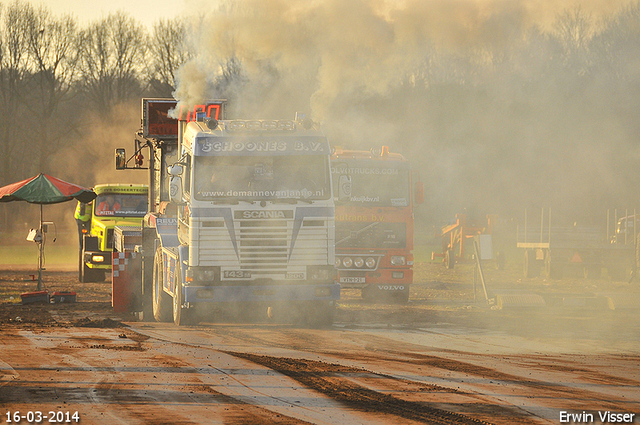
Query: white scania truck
241	215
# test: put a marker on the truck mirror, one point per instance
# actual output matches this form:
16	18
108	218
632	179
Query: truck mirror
175	189
175	170
344	188
419	193
121	159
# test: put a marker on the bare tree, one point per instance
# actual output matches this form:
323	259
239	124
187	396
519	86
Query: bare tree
617	46
574	30
168	50
53	49
13	68
53	56
112	58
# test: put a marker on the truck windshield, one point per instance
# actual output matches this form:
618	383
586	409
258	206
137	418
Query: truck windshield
375	184
120	205
297	177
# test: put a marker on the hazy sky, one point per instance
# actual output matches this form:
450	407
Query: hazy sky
149	11
145	11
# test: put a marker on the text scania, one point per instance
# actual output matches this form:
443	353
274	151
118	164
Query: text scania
262	146
263	214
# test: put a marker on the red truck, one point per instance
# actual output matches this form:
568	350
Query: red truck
374	222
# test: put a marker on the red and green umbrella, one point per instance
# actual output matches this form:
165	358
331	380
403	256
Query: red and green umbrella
44	189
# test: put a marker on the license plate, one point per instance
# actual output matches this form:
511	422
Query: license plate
236	274
294	275
352	280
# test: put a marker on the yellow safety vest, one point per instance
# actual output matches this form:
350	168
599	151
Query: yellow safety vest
83	211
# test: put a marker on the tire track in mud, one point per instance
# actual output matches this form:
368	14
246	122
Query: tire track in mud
71	373
556	364
555	390
326	378
376	349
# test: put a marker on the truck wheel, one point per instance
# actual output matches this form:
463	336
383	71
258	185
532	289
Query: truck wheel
449	259
367	293
80	266
88	275
181	316
147	278
161	300
98	275
84	272
402	297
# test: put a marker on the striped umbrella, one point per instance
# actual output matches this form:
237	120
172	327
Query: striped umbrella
44	189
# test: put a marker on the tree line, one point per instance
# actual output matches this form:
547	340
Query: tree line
544	116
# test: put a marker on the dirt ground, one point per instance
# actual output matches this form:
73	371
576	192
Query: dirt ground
359	373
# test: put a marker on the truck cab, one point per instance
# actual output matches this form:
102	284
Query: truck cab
374	223
115	205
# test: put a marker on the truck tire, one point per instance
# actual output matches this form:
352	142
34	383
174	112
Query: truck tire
367	294
449	259
98	275
84	272
148	247
181	316
161	300
402	297
80	266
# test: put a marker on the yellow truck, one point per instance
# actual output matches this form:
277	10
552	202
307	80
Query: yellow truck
119	205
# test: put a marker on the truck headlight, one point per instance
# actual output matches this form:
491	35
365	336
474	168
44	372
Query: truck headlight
203	274
398	260
358	262
97	259
370	262
347	262
338	262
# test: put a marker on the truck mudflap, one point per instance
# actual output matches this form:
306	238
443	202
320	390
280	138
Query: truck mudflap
126	294
224	294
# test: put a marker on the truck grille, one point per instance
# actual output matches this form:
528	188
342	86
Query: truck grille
263	245
269	247
371	235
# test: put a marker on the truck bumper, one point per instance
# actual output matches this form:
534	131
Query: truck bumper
226	294
387	279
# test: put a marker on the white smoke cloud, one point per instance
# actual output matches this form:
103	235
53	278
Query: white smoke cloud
310	53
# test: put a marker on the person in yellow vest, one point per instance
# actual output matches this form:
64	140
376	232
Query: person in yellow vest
83	219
